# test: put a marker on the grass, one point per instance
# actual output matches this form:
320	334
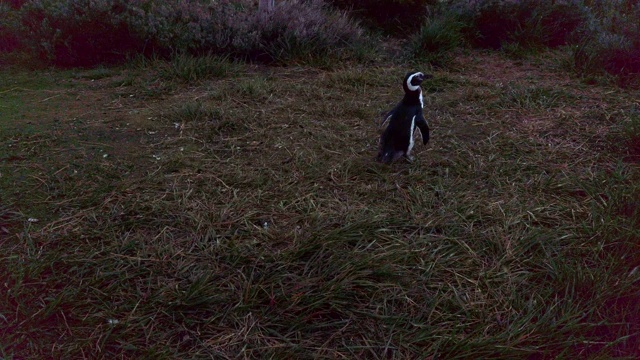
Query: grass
189	68
261	227
517	96
630	135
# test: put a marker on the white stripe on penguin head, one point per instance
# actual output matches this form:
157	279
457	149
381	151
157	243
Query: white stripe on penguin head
409	85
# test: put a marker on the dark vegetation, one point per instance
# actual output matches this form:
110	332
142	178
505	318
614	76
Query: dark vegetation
397	17
87	33
603	35
166	192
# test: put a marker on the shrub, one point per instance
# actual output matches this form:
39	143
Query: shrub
298	30
491	22
609	41
399	17
81	32
558	22
195	27
610	53
545	23
606	34
89	32
294	30
514	26
527	23
9	29
435	40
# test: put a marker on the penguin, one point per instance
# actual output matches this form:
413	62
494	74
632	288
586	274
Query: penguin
397	139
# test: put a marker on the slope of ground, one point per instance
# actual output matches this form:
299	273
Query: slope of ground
243	216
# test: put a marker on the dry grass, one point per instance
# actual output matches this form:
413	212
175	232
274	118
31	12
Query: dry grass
244	217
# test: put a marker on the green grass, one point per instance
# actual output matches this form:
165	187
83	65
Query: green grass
516	96
16	86
188	68
261	227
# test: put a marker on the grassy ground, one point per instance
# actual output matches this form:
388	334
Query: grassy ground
164	211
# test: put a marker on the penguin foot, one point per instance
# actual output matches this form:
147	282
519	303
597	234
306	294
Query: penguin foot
409	158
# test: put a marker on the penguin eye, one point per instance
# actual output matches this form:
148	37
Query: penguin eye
416	78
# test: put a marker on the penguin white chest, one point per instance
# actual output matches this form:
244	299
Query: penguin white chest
421	100
413	127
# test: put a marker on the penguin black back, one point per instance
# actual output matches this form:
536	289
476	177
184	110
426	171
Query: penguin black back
397	139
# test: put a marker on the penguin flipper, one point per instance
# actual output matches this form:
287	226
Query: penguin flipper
388	116
422	125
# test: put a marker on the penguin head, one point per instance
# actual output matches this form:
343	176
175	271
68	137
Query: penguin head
412	81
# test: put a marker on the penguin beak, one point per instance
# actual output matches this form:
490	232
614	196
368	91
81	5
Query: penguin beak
424	77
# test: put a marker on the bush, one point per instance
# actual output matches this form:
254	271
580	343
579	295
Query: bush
294	30
81	32
298	30
557	23
609	41
9	33
610	53
436	39
399	17
90	32
526	23
606	34
514	26
492	23
195	27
